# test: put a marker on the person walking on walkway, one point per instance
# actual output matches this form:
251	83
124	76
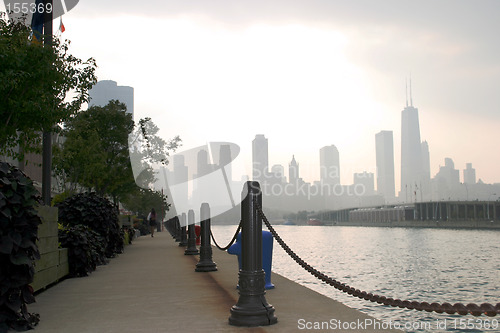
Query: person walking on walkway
152	221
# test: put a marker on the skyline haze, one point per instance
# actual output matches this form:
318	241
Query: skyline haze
306	74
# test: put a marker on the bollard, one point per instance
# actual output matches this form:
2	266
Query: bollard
177	229
169	224
183	222
197	231
252	308
173	227
267	255
206	263
191	248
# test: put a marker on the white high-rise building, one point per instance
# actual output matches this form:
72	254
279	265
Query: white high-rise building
106	90
469	174
329	163
384	149
415	174
293	172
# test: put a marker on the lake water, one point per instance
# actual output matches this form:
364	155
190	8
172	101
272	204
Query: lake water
415	264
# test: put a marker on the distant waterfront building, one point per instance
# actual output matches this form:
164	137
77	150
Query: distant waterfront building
469	174
203	167
412	167
293	172
448	178
426	162
106	90
384	149
225	159
260	158
278	173
180	181
329	164
425	184
366	181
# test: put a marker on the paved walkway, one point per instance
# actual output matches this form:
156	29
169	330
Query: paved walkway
152	287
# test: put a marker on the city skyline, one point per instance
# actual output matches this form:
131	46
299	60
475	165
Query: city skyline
307	74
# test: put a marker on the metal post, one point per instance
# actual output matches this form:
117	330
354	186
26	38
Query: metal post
177	229
191	248
47	135
183	222
252	308
206	263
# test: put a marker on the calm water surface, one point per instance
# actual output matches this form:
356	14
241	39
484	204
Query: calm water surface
415	264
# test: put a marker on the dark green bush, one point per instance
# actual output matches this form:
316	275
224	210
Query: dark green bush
18	234
85	249
96	212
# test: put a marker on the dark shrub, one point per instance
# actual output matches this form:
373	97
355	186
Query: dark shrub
85	249
98	214
18	234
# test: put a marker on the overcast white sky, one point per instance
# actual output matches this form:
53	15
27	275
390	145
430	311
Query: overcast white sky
306	74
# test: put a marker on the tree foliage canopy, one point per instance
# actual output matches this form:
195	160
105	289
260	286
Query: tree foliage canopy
98	149
147	150
142	200
35	84
95	151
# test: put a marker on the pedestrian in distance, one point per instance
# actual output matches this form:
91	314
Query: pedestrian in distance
152	221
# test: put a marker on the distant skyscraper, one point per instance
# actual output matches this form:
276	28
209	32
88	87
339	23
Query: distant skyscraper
384	151
364	179
425	185
225	159
426	162
278	172
293	172
448	174
104	91
469	174
180	178
260	158
412	170
329	164
203	167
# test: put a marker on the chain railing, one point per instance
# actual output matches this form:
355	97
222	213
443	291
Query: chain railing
459	308
230	243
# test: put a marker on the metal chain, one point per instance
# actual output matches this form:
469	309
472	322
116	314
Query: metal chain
230	243
459	308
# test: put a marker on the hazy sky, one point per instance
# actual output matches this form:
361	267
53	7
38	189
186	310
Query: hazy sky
306	74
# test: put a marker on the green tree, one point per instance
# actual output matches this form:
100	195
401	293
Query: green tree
142	200
35	84
147	150
95	154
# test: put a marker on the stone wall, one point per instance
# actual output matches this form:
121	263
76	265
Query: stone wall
53	264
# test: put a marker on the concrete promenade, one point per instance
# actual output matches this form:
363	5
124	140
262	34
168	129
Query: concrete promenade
152	287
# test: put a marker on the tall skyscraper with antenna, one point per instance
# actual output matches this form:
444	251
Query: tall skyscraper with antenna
412	170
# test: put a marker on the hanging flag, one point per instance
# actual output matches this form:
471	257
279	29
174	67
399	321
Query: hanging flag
37	21
61	26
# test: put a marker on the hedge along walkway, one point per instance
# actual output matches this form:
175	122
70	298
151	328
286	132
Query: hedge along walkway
153	287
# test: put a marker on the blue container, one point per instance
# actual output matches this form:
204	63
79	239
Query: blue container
267	254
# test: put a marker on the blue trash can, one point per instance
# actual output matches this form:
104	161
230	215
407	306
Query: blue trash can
267	254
